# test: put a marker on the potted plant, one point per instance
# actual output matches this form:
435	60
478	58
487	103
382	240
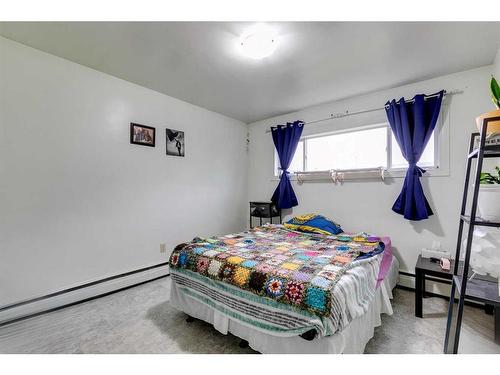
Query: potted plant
493	127
489	195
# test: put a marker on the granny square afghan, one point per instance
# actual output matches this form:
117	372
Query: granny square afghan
294	292
294	268
214	268
257	281
275	286
241	276
249	263
202	264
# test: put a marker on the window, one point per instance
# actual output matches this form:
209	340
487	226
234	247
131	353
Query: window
368	147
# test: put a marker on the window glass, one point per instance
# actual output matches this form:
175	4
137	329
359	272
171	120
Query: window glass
426	160
353	150
297	162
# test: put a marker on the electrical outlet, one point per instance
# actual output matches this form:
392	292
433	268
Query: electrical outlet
163	248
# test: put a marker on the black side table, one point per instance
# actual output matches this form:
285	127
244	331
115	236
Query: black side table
425	268
264	210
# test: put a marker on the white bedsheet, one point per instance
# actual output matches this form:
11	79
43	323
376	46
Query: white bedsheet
361	307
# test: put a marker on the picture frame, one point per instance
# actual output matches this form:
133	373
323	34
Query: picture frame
142	135
175	142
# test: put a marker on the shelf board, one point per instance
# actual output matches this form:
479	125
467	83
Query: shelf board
480	222
479	290
489	152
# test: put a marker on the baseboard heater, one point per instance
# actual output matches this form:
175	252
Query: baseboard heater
80	293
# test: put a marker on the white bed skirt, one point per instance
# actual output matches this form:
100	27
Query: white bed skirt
351	340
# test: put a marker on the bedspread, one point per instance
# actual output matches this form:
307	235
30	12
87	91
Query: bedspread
297	269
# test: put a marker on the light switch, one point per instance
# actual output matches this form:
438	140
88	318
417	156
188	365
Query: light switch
163	248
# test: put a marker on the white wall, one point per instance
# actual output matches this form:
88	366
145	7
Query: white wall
77	201
367	205
496	64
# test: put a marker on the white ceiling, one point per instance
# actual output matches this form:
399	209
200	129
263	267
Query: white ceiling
315	62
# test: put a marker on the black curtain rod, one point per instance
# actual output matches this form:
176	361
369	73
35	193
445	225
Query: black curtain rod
347	113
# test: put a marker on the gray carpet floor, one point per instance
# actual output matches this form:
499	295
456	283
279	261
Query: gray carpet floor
140	320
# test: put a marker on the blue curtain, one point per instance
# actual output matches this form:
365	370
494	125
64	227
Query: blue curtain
412	124
286	138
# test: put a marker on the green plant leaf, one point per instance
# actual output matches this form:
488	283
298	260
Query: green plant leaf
495	92
495	101
486	178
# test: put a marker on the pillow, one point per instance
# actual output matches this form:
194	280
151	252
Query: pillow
313	223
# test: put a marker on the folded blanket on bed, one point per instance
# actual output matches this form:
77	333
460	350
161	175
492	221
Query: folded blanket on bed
296	269
313	223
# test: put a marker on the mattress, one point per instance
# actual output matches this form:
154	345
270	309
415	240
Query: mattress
364	315
312	284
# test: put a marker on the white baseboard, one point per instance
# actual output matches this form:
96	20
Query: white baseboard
35	306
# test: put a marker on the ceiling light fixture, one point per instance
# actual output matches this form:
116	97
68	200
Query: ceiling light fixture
258	41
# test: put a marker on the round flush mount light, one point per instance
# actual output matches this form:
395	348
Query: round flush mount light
258	41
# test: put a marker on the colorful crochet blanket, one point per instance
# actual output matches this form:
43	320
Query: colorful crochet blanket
294	268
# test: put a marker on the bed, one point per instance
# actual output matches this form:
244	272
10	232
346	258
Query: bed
286	291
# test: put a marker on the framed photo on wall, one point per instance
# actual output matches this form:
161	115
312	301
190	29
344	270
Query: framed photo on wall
175	142
142	135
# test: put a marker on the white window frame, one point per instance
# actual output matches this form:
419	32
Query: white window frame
441	149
